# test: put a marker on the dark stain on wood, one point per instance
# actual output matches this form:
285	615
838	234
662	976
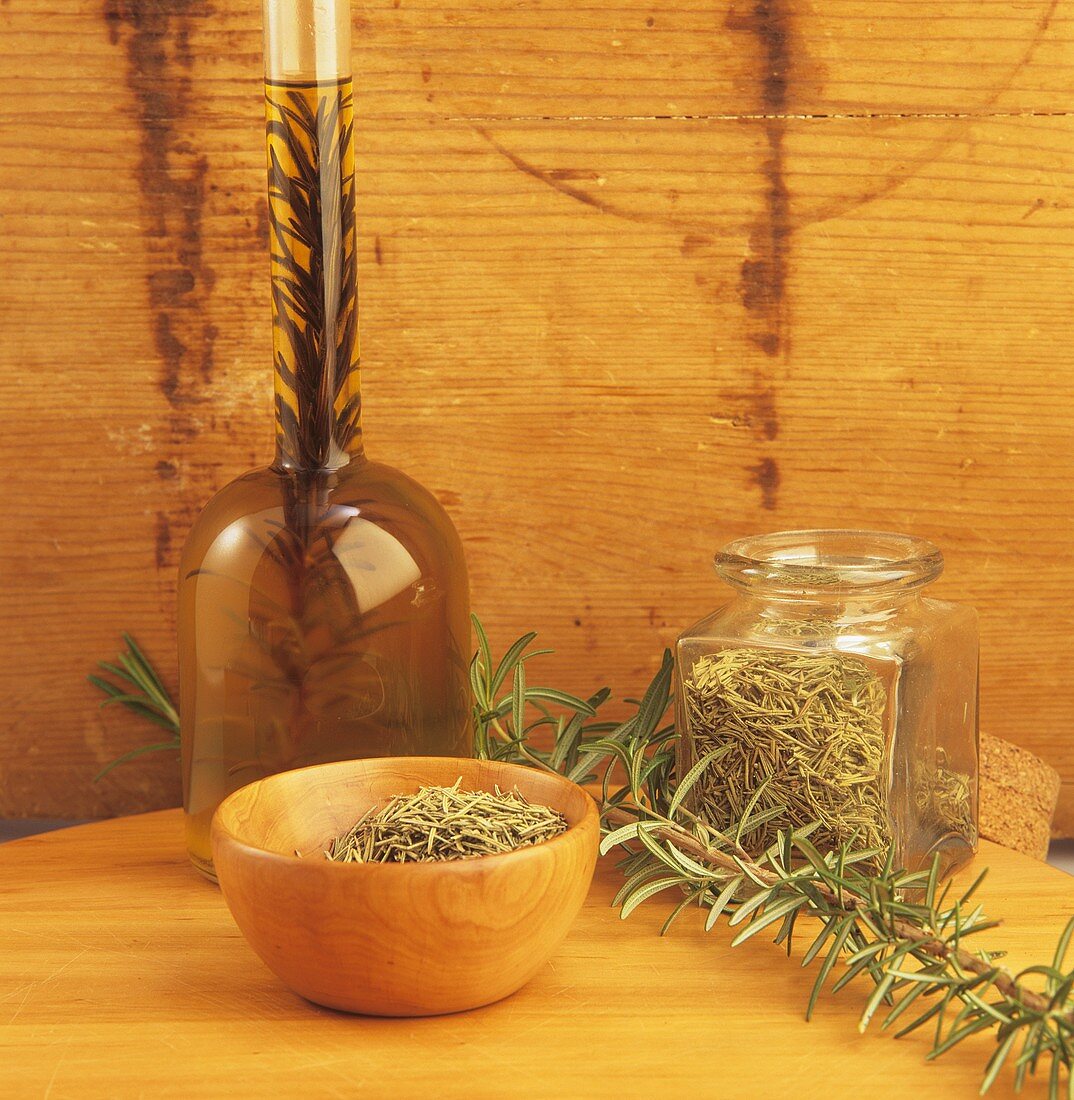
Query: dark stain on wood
378	252
550	178
693	243
113	20
573	174
171	525
171	175
762	287
171	351
763	282
765	475
169	286
260	231
426	73
162	541
545	176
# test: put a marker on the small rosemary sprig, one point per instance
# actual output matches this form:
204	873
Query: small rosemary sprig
504	718
900	931
141	690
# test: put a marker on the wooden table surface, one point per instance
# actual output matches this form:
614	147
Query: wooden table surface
122	974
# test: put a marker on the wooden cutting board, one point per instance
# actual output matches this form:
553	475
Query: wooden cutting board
122	974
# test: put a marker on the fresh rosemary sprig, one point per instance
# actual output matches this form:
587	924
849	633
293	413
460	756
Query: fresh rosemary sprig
900	931
504	705
141	690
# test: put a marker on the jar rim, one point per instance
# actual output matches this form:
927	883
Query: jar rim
823	562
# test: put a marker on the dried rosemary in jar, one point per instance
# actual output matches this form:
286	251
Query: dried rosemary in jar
802	731
830	690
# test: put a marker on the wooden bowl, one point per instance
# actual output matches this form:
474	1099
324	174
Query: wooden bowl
398	939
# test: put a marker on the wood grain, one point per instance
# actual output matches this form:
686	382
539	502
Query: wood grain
636	280
158	995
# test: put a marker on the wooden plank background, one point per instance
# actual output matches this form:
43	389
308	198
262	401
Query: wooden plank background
636	278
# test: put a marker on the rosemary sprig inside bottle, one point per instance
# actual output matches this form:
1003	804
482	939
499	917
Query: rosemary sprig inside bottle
442	823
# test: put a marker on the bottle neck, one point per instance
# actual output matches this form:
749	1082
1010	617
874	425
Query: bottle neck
309	113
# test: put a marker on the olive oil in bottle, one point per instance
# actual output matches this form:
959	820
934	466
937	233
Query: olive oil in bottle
323	600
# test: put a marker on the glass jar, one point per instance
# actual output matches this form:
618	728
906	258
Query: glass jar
831	689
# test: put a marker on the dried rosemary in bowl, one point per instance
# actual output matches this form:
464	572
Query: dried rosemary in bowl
443	823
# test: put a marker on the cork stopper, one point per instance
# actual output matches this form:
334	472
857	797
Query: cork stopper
1019	793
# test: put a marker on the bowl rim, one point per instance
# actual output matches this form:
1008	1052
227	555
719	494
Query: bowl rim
429	867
